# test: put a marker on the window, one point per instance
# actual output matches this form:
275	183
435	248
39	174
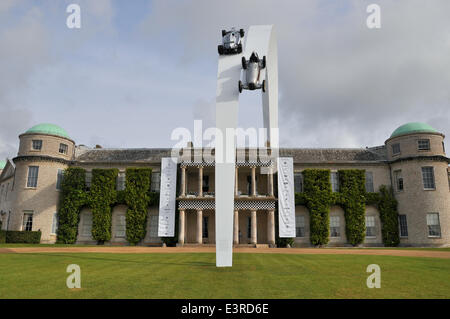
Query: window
88	179
205	187
121	181
121	226
63	148
443	147
335	229
398	180
6	192
156	181
36	145
423	145
249	227
403	225
395	148
59	179
370	226
369	182
299	226
154	220
86	229
428	177
434	227
249	185
334	181
298	182
448	174
205	227
33	172
55	223
27	221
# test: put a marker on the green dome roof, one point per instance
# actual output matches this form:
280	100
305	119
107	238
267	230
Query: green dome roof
46	128
2	164
414	127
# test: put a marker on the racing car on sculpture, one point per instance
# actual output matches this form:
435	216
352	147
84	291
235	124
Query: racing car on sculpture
231	42
252	69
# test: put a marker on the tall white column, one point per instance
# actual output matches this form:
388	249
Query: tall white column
271	227
199	226
236	228
253	181
181	234
200	181
183	181
236	178
254	237
270	178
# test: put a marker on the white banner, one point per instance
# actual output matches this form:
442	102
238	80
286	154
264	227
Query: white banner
286	197
166	224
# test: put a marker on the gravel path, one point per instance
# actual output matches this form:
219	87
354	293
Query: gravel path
146	250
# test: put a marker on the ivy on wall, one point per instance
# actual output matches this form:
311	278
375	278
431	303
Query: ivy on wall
318	198
73	198
137	198
352	197
102	197
387	206
352	200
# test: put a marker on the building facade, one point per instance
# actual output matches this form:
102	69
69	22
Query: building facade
412	161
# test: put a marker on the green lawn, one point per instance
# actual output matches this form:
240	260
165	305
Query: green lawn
194	275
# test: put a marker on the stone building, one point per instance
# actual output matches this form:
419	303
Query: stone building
412	161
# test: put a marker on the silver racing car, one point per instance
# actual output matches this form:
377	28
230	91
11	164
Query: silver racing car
231	42
252	69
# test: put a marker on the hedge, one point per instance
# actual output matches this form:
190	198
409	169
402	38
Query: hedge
23	237
2	236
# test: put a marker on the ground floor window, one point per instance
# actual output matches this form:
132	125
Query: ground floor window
121	226
434	227
55	223
335	226
86	228
403	225
154	220
299	226
370	226
27	221
205	227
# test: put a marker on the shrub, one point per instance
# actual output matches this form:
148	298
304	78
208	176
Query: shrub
2	236
23	237
387	206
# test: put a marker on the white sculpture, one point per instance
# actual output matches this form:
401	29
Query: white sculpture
260	39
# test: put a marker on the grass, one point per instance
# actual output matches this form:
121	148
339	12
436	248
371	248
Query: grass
194	275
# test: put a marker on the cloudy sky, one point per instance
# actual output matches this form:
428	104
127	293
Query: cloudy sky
138	69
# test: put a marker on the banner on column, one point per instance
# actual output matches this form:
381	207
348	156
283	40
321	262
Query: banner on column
166	224
286	197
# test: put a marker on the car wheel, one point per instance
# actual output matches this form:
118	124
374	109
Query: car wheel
244	63
240	86
220	49
223	33
241	32
239	48
264	62
264	86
